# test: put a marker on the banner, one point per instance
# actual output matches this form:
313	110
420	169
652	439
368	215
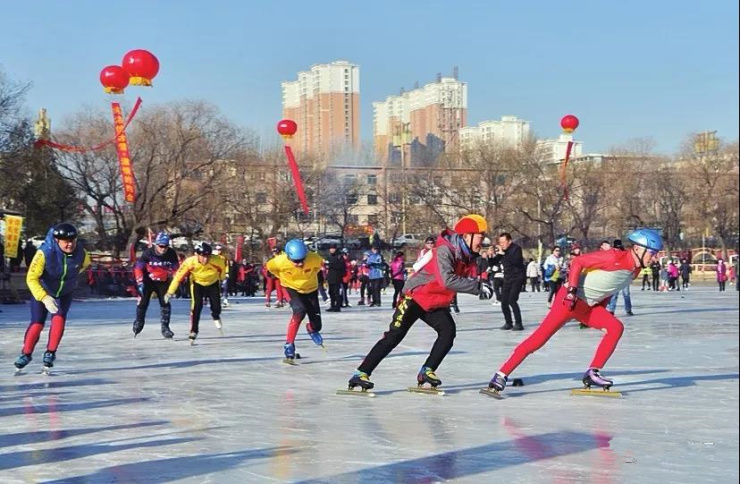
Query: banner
124	159
13	225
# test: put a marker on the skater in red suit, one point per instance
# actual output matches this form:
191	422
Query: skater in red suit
273	283
427	295
592	280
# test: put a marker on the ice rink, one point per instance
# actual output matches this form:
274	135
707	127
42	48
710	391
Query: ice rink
227	410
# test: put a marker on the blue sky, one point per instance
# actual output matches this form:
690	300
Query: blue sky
659	69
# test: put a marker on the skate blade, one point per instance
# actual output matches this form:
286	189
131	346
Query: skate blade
426	391
290	361
492	393
192	342
596	392
358	393
19	372
46	371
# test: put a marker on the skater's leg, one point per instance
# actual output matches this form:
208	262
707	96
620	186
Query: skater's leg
58	322
33	333
555	319
196	306
297	304
313	310
214	297
269	285
441	321
600	318
406	314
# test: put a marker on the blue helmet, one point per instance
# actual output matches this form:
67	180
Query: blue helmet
296	249
162	238
648	238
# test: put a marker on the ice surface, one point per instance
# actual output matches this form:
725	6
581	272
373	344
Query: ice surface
228	410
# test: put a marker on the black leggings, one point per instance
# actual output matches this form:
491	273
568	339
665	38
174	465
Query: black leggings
160	289
197	293
406	314
554	287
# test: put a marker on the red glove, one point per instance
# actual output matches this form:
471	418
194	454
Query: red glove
571	298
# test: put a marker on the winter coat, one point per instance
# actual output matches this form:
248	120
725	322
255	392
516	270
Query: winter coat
721	271
398	269
446	274
376	264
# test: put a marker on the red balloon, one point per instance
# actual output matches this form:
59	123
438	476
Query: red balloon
142	66
114	79
287	128
569	123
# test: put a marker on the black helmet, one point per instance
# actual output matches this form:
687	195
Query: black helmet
203	248
429	240
65	231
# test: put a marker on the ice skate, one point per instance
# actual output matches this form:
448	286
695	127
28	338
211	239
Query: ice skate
49	357
167	332
592	378
137	327
426	375
225	303
21	363
496	386
267	304
359	379
290	355
219	325
192	337
315	336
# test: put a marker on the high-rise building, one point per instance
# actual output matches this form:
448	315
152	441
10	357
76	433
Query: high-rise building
325	102
415	127
509	131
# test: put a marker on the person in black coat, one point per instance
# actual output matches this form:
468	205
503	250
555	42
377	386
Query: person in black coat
336	269
512	261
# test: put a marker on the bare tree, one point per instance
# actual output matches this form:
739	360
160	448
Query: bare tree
175	150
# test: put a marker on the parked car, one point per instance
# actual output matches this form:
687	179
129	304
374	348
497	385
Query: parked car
37	240
407	240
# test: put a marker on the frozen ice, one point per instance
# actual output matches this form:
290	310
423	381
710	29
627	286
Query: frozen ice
119	409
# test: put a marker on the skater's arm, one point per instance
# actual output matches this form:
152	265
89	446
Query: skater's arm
85	262
450	280
141	263
181	274
422	261
33	277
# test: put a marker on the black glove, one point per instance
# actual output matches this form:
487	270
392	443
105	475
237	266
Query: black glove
571	298
485	291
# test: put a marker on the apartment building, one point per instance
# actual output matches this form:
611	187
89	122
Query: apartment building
415	127
508	131
325	102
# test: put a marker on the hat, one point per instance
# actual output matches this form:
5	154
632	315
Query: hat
333	245
471	224
345	251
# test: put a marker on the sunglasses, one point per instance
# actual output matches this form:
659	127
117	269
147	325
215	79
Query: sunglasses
298	261
651	252
162	246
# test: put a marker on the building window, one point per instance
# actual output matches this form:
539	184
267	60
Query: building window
372	199
261	218
352	199
261	198
372	220
372	179
353	219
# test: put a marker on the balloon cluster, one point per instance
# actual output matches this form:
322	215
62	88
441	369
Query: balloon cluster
138	68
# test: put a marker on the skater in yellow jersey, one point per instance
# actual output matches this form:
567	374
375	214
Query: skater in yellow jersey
297	269
206	273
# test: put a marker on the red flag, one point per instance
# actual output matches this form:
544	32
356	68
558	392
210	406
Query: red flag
238	252
296	178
